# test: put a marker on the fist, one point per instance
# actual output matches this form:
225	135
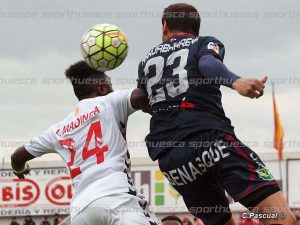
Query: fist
20	174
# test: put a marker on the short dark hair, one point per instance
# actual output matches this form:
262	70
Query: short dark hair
172	218
84	79
182	17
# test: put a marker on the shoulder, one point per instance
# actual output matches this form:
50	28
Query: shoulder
211	45
117	93
209	41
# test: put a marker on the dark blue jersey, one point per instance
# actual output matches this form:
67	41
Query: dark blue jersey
184	102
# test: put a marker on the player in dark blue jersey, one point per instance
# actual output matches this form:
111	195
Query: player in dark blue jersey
190	135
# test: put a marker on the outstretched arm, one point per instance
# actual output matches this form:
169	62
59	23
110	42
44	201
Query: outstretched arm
213	68
18	162
36	147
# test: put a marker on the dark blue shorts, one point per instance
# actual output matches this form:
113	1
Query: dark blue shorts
202	168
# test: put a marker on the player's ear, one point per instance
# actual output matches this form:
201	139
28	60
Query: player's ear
165	30
104	86
103	90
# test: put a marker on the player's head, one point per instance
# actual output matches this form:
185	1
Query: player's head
171	220
180	18
88	82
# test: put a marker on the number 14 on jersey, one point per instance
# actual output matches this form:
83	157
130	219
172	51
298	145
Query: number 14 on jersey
98	150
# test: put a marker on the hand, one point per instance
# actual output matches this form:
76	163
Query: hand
250	87
20	174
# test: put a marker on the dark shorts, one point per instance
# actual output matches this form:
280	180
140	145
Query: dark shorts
202	168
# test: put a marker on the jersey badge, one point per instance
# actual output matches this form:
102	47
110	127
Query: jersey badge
77	111
213	46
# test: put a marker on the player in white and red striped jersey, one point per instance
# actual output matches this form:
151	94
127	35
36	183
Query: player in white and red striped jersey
91	141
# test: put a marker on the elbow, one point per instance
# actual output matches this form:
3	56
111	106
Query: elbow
139	99
15	158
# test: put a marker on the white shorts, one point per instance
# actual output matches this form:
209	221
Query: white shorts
116	209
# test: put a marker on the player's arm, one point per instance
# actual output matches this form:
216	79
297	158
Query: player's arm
139	99
126	102
141	90
210	64
18	162
213	68
36	147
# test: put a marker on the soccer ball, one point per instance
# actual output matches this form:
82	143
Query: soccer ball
104	47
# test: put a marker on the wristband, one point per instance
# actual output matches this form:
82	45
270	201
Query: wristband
26	167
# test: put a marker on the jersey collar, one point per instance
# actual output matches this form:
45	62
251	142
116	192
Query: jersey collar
173	38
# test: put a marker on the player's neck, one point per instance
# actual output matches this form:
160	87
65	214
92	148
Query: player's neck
94	95
88	96
179	34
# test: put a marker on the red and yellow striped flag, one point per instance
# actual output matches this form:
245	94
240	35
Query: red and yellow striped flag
278	132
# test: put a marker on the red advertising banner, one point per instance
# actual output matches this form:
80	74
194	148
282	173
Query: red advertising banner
44	192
